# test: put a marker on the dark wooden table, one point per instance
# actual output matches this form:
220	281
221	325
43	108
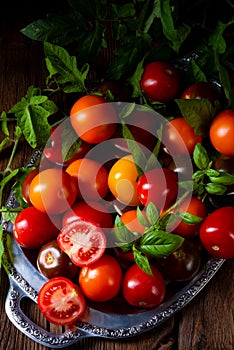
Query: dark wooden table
206	323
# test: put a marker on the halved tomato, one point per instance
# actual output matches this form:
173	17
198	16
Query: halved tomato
61	301
83	241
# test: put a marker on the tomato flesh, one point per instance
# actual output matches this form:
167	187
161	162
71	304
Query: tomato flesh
83	241
61	301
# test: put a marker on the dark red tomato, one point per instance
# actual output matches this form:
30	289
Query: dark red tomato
182	166
101	281
26	185
93	119
93	211
160	81
158	186
183	264
32	228
53	262
179	137
217	233
222	132
192	206
201	90
53	191
91	178
61	301
83	241
143	290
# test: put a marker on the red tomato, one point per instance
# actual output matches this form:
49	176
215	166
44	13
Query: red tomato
201	90
26	185
93	119
93	211
142	290
91	178
222	132
102	280
179	137
192	206
83	241
160	81
158	186
33	228
61	301
52	191
217	233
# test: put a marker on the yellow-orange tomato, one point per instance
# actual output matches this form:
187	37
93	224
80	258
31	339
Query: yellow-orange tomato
93	119
122	181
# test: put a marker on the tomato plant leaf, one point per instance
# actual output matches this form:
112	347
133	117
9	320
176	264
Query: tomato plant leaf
142	261
1	245
4	124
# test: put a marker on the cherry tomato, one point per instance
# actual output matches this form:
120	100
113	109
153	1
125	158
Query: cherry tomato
101	281
26	185
122	181
192	206
217	233
91	178
160	81
179	137
52	191
53	262
143	290
33	228
131	221
158	186
61	301
93	119
183	264
89	211
222	132
83	241
201	90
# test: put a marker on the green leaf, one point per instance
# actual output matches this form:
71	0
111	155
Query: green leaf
141	218
8	178
8	214
142	261
4	142
127	110
159	243
37	100
122	234
200	157
1	245
222	179
195	73
122	11
152	213
4	123
212	188
198	113
135	79
189	218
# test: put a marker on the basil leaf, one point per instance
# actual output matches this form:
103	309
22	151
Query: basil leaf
152	213
222	179
200	157
159	243
212	188
189	218
143	221
142	261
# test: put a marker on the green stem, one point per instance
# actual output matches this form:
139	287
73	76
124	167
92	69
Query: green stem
8	167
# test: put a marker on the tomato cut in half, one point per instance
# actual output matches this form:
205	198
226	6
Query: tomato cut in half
83	241
61	301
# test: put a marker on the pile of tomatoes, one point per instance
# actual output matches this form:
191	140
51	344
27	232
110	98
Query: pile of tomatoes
76	199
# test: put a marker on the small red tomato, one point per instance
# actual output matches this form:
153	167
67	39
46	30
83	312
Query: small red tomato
217	233
202	89
160	81
26	185
143	290
61	301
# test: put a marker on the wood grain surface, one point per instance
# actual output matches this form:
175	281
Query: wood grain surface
206	323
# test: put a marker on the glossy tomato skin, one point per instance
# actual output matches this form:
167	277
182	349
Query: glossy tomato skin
179	137
122	181
53	262
158	186
201	90
93	211
217	233
91	179
26	185
83	241
192	206
93	119
61	301
52	191
142	290
183	264
160	81
101	281
33	228
222	132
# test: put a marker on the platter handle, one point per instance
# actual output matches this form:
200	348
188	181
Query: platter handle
31	329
